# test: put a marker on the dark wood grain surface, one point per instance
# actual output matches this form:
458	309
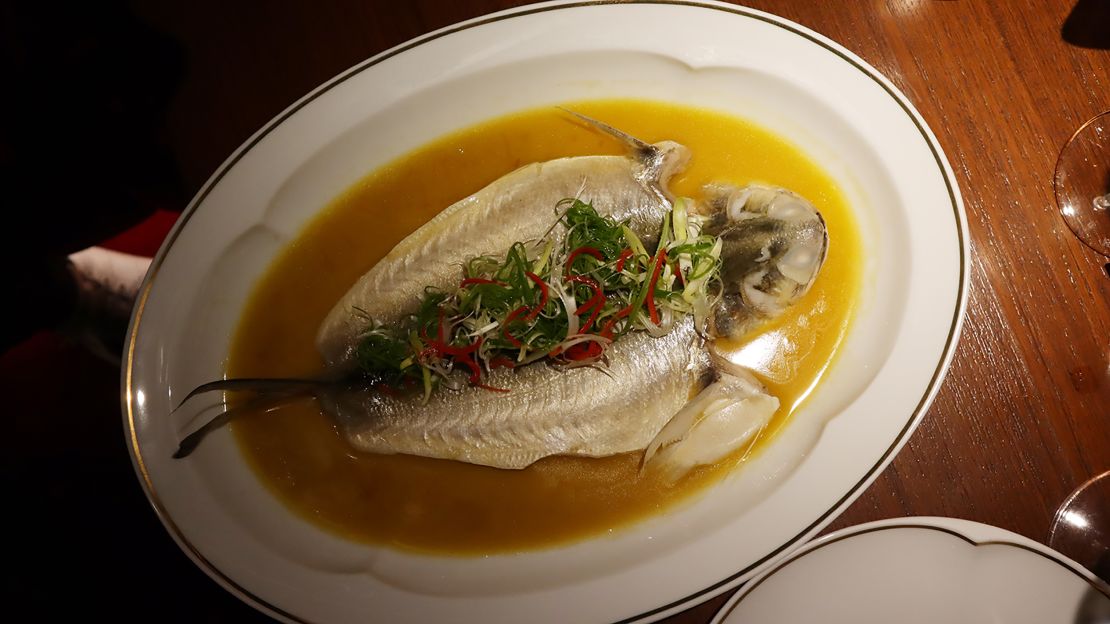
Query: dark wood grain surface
1023	415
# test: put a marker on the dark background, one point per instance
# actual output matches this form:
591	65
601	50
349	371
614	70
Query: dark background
114	115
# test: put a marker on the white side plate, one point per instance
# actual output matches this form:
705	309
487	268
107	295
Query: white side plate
921	570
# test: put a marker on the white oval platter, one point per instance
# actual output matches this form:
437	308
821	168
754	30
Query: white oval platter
838	109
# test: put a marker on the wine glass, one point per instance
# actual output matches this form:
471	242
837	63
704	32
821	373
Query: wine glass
1082	183
1081	528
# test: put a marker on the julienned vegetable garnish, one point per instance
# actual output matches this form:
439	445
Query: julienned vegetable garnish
567	303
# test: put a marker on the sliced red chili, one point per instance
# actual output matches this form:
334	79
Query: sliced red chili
595	302
475	370
593	315
476	375
625	255
650	300
590	251
436	342
607	331
479	280
509	319
544	295
584	351
585	281
501	362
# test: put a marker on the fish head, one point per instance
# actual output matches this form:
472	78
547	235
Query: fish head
773	245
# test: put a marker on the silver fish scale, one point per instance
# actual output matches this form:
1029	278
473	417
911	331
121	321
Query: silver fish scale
547	411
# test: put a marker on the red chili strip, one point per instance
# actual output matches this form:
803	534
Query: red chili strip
607	331
439	329
479	280
544	295
584	351
509	319
678	274
650	300
595	302
593	316
590	251
501	362
585	281
476	375
625	255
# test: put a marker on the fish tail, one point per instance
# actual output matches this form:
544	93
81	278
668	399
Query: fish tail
270	394
257	385
190	442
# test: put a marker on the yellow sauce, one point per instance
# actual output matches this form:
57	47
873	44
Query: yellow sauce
439	506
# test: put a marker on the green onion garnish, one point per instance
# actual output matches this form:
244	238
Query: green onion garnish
565	302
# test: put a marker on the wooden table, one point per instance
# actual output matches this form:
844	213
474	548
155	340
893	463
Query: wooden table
1021	418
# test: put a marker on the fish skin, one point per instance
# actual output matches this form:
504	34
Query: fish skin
580	412
517	207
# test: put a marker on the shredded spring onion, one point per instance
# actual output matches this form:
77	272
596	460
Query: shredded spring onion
563	302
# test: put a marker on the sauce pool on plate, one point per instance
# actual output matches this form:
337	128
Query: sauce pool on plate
447	507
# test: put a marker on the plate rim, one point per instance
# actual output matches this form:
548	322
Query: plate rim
956	527
799	540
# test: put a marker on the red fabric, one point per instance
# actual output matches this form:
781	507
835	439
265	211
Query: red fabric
145	238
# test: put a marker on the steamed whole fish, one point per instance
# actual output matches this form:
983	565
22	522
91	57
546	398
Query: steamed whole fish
668	396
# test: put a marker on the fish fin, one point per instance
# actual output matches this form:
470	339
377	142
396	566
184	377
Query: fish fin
654	163
728	413
632	142
270	395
